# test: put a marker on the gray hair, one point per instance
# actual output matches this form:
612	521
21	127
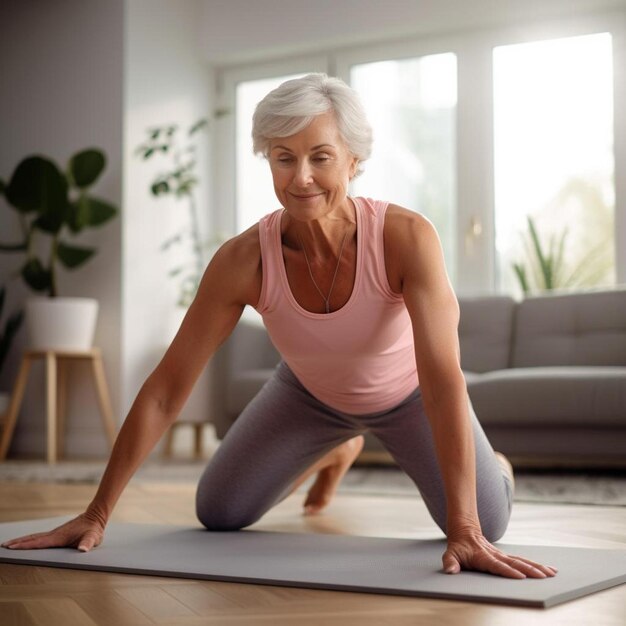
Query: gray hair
292	106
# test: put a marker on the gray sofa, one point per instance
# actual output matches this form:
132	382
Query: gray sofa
546	376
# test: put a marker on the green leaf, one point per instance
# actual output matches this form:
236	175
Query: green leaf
159	188
50	222
86	166
199	125
100	211
520	272
37	185
89	211
544	262
78	214
73	256
36	276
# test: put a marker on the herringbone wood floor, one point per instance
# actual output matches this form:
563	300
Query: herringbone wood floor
46	596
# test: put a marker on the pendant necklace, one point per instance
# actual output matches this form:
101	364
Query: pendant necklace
306	258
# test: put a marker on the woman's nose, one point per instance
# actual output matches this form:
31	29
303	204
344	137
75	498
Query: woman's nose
303	174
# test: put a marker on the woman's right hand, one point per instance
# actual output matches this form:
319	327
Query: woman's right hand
83	532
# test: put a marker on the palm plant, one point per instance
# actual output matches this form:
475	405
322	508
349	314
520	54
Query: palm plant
545	267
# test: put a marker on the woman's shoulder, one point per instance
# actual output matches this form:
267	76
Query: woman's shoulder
413	240
402	222
240	259
243	250
396	214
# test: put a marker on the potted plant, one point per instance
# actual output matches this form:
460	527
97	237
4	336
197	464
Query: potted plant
7	334
546	267
180	181
49	203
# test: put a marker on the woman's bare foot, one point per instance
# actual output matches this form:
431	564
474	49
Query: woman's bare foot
337	463
331	469
506	466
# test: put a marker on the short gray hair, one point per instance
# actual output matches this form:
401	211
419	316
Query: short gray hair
292	106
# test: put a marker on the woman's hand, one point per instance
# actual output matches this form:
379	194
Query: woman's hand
474	552
83	532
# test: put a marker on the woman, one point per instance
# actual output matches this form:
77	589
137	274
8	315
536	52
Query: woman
355	296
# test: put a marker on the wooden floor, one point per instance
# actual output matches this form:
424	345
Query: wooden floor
47	596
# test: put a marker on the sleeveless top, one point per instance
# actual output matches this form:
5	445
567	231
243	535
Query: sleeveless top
359	359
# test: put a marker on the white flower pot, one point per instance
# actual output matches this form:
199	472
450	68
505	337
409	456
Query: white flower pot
61	323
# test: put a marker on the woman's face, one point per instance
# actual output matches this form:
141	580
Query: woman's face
312	169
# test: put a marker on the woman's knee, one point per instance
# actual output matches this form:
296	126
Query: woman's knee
222	517
493	516
494	529
494	520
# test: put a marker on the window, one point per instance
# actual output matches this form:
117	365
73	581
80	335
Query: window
553	135
411	105
478	131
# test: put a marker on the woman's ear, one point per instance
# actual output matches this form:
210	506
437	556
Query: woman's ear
353	167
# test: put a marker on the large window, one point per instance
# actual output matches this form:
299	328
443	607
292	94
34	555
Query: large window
553	123
504	140
411	105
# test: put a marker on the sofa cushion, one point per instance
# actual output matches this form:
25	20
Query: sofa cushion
572	329
244	386
485	332
582	396
250	347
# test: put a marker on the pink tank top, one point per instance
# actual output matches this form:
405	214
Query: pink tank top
359	359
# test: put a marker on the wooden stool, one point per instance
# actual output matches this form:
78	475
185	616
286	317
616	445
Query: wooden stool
198	427
56	396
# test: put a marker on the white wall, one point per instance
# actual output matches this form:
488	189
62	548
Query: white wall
61	79
166	81
75	74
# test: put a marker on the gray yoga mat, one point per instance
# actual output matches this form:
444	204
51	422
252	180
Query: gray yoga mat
405	567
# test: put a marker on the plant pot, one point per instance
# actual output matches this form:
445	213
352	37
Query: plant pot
61	323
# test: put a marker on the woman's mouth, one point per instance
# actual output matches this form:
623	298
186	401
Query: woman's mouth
306	196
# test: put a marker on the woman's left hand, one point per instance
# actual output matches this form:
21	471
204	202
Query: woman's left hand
473	552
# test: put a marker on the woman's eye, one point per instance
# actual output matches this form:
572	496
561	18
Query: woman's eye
321	159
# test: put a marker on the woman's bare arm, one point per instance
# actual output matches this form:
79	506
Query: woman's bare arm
418	269
231	281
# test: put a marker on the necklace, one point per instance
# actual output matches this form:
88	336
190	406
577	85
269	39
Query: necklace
306	258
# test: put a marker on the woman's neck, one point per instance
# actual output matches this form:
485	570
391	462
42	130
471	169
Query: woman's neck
322	238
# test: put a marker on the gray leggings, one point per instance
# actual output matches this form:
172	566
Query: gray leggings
284	430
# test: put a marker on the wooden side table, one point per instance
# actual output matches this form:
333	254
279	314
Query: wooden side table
56	396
